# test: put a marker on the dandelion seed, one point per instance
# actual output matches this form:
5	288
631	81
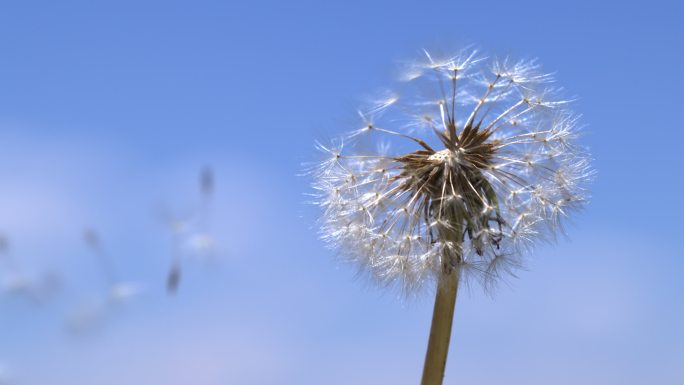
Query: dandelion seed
190	235
94	243
207	181
494	169
123	291
37	289
4	245
200	245
94	312
6	261
86	317
173	279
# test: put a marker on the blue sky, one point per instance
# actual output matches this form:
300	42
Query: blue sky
108	110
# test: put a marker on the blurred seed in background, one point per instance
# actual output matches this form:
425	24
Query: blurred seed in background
34	288
94	311
191	236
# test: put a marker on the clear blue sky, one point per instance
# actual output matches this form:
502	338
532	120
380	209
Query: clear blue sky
108	110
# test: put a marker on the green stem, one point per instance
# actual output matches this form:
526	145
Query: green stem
440	331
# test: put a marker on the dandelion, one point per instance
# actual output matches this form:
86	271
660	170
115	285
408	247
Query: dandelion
464	181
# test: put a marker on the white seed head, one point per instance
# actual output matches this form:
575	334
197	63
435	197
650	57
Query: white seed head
486	166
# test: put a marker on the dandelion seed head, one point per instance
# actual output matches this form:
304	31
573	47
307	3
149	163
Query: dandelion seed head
479	172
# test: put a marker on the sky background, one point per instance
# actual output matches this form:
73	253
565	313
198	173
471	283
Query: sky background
109	110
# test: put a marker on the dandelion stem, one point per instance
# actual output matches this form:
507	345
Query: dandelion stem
440	331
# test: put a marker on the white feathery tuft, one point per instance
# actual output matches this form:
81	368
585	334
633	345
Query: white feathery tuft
479	171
